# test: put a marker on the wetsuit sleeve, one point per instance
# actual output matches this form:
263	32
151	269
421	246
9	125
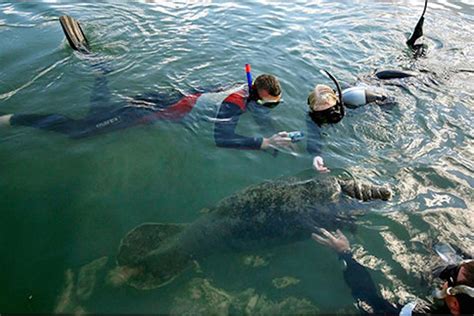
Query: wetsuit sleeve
313	143
224	129
363	288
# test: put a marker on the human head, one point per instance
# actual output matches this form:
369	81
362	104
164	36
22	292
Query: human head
323	105
321	98
463	274
267	90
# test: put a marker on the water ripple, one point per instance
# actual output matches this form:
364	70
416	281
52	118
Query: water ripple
421	146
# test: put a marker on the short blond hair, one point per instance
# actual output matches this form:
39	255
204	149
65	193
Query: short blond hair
322	97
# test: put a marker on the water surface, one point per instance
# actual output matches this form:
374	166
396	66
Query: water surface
66	203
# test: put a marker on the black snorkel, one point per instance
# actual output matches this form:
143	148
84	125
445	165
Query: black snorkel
418	32
340	103
335	113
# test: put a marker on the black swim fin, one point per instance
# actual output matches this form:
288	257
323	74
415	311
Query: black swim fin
418	32
74	34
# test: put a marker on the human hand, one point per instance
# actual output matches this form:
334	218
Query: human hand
280	139
336	241
318	164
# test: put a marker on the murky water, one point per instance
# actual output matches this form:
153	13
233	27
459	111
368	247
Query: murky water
65	204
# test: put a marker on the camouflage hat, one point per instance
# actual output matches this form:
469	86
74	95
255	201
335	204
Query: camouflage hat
321	98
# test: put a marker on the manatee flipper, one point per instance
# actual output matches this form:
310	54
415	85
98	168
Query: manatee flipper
150	250
364	191
418	31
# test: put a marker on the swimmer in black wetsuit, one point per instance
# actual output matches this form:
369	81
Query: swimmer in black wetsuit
104	116
457	293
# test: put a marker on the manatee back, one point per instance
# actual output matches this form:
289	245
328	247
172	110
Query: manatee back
286	195
273	212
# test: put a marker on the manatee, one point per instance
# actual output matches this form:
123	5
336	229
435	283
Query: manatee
261	216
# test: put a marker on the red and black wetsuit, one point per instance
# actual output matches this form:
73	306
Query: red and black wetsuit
104	117
226	122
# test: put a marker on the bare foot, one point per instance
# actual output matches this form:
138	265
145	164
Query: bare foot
120	275
5	120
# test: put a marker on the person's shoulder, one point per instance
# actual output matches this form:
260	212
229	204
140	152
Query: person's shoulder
237	98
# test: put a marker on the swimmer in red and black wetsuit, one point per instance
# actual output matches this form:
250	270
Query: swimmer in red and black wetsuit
106	116
264	96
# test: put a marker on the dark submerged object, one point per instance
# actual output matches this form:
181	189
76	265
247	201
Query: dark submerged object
258	217
394	74
74	34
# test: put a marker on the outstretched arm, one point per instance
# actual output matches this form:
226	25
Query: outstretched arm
313	146
224	129
356	276
225	135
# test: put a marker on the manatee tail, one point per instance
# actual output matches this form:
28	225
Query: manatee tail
418	32
365	192
149	257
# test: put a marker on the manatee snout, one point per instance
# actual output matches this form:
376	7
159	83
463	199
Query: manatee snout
384	192
365	192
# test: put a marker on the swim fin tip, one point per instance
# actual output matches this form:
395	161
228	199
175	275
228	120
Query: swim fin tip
74	34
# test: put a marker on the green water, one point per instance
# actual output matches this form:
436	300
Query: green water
66	203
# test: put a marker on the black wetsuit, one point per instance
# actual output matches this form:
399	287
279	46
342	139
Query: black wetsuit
104	117
363	288
313	144
368	298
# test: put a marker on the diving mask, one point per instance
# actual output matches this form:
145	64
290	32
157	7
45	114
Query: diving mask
269	104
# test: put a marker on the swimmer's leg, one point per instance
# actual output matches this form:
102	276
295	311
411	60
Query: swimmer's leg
157	99
100	97
214	89
101	123
51	122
